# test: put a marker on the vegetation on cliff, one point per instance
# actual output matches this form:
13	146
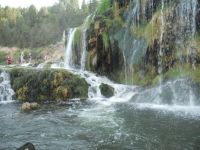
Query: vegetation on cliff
126	40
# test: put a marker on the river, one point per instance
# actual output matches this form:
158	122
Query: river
93	125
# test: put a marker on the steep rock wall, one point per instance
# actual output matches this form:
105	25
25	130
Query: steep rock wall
136	41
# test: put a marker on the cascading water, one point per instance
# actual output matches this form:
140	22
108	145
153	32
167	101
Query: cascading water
84	44
83	56
160	56
6	91
131	20
93	80
187	10
69	52
134	118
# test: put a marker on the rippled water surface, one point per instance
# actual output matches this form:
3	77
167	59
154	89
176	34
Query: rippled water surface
90	125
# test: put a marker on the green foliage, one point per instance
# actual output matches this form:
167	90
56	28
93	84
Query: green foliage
29	27
103	7
77	36
109	23
3	58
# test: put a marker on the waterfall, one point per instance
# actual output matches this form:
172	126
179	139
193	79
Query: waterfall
84	44
133	16
83	56
69	51
131	20
129	52
92	79
6	91
160	55
187	10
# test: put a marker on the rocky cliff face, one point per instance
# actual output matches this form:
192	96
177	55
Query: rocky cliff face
135	42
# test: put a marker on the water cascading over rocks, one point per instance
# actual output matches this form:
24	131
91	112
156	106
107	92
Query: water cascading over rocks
6	92
69	52
187	11
150	37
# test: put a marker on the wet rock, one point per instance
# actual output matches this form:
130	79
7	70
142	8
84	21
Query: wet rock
1	79
29	106
41	85
27	146
107	90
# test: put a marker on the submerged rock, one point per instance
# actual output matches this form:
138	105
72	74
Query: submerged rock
30	106
106	90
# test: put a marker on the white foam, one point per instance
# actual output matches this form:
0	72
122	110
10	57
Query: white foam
6	91
180	110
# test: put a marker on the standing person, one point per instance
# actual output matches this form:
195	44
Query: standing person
30	58
9	60
45	58
22	58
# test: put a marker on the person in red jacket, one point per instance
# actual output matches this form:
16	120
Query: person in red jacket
9	60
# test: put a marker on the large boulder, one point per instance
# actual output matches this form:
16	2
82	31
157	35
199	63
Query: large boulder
107	90
41	85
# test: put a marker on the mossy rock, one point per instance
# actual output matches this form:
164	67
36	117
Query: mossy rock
107	90
36	85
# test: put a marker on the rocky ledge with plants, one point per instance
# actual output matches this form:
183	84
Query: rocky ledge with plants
46	85
139	42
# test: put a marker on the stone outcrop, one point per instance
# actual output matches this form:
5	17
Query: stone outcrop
42	85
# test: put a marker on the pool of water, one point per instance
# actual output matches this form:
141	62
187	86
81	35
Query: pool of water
91	125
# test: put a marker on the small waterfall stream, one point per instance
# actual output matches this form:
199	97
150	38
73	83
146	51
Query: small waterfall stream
84	44
187	11
68	54
160	54
6	91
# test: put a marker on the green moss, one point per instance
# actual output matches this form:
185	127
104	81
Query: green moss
3	57
34	85
77	36
139	30
103	7
108	22
180	71
106	90
22	93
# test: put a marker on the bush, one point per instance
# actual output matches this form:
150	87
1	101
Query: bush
3	58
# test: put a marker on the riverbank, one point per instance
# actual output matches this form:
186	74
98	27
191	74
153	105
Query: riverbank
51	53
